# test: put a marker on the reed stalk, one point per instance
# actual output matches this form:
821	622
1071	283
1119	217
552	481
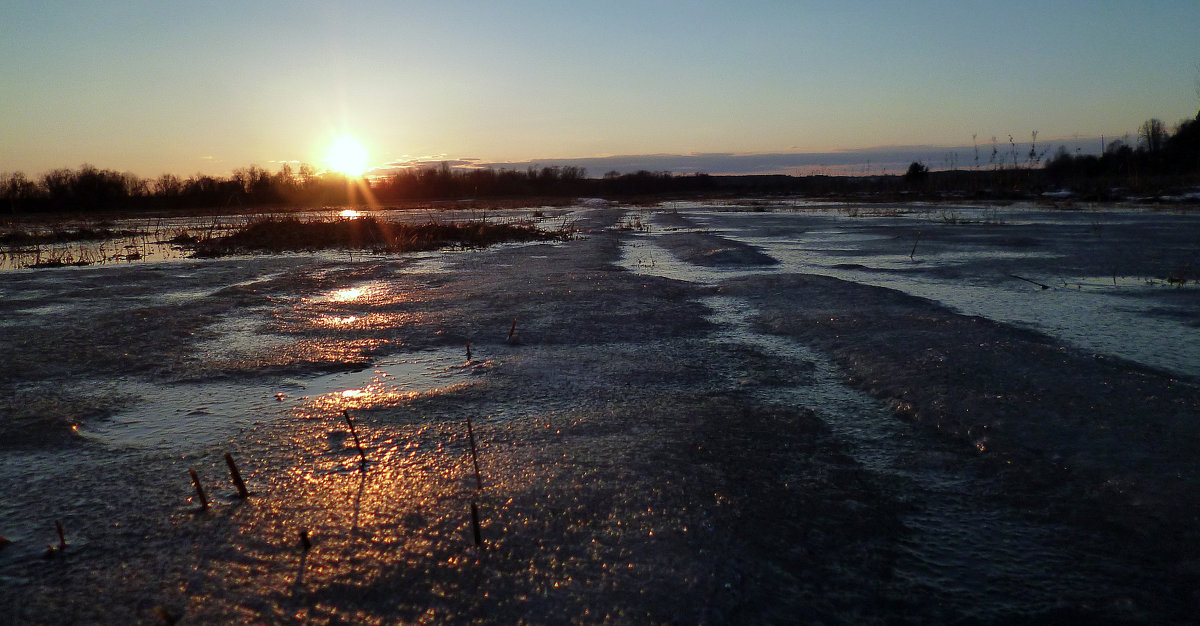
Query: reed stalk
357	444
474	454
199	489
237	477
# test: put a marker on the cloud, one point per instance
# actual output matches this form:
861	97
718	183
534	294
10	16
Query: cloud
794	163
856	162
409	162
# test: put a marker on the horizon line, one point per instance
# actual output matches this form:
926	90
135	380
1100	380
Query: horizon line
849	161
872	160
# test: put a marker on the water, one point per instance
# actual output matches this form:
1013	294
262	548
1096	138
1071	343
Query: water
592	500
968	550
151	239
970	268
962	537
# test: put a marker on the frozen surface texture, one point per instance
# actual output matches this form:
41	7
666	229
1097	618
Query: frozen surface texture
697	413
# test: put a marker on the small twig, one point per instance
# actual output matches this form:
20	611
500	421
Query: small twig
1029	281
62	537
474	454
468	352
199	489
305	543
512	331
357	443
914	248
237	477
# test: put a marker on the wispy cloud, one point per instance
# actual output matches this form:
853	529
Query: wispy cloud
407	162
861	162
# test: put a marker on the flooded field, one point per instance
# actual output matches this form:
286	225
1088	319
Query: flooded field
745	412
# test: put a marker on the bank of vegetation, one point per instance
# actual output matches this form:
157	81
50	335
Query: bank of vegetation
289	234
1160	164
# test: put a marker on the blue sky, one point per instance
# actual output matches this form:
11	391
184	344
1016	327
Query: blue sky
153	87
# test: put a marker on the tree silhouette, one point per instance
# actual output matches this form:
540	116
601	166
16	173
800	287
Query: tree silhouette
1153	134
917	173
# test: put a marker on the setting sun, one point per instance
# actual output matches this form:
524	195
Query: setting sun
348	156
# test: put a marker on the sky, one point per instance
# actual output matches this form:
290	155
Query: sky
155	87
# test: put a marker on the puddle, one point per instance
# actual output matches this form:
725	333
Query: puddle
389	382
180	418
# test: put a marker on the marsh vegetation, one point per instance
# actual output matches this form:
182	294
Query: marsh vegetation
50	241
290	234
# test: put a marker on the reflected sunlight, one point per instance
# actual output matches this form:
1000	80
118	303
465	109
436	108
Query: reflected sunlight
370	321
349	294
350	213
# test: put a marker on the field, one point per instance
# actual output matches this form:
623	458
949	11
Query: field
749	412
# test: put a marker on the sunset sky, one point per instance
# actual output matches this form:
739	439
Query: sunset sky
153	87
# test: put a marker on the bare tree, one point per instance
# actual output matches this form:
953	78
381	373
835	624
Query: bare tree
1152	134
168	185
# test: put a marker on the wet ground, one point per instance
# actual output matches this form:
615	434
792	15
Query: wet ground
696	413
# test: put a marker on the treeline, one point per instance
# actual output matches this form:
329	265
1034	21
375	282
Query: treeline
1160	159
92	189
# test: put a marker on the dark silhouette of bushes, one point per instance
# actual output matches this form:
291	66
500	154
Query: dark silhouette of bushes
1160	160
85	189
917	173
89	189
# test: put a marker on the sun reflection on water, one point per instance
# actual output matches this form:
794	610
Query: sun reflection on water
372	396
349	294
370	321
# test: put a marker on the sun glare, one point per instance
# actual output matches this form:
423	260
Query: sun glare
348	156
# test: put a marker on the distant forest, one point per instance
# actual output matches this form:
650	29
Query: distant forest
1162	162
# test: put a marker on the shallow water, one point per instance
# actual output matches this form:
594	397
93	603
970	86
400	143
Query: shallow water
1140	317
601	372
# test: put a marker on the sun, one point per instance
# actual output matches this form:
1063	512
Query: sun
347	156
